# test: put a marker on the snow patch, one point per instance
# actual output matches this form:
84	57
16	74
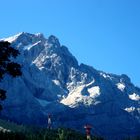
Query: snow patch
134	97
105	75
94	91
73	97
76	96
13	38
120	86
56	82
130	109
28	47
90	83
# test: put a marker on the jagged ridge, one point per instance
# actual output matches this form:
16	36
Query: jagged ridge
54	82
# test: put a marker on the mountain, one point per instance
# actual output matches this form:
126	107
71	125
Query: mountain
75	94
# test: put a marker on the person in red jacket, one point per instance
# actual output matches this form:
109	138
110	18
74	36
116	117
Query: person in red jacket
88	130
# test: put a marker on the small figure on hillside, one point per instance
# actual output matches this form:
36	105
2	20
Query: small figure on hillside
49	122
88	129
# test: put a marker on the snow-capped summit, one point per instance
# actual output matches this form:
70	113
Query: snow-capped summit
25	38
12	38
54	82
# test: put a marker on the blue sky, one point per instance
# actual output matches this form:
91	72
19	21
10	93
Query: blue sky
102	33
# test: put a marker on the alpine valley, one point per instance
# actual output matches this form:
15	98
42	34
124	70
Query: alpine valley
53	82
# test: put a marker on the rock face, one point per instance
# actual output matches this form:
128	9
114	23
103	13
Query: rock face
53	82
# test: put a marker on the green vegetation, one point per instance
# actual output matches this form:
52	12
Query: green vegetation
21	132
44	135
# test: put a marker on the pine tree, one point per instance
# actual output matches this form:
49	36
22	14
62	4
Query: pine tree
7	66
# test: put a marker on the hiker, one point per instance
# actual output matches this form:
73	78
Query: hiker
88	129
49	122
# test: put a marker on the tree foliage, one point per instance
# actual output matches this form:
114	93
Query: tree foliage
7	64
45	134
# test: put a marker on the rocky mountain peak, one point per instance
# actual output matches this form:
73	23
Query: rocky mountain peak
53	40
52	81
